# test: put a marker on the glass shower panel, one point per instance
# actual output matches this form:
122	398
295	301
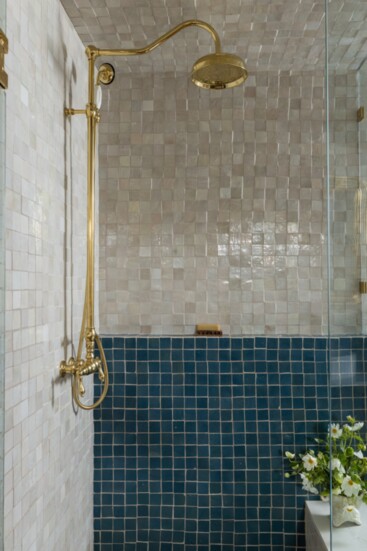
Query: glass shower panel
362	127
347	212
345	315
347	215
2	287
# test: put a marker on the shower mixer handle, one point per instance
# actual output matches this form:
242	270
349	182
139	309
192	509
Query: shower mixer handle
81	367
101	375
89	367
81	388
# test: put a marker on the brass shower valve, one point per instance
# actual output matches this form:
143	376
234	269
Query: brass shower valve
89	367
68	367
81	367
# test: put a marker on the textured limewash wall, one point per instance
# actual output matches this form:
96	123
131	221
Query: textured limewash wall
48	449
212	206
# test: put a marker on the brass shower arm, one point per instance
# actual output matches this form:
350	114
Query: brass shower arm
93	52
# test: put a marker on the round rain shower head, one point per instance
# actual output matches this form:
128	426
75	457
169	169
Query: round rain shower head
219	71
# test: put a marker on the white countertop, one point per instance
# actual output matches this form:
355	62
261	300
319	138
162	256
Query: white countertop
348	537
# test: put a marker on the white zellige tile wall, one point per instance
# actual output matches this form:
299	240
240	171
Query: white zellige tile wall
48	448
213	205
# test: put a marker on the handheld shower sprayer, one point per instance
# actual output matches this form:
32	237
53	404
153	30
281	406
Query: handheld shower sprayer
215	71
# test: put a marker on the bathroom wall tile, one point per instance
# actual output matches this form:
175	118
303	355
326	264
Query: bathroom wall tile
226	222
189	446
48	448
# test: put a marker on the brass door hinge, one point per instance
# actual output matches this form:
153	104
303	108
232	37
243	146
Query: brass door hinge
360	114
3	51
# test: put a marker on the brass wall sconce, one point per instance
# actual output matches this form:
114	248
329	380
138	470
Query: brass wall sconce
214	71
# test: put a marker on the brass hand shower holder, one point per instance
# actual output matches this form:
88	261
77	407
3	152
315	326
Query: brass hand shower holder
218	71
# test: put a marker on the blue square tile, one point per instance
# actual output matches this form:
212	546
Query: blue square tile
177	419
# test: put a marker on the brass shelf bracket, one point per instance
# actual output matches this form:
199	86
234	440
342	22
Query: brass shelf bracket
4	47
360	114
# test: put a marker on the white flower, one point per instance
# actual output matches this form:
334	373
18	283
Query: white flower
356	426
359	454
290	455
335	430
309	462
336	464
307	484
350	488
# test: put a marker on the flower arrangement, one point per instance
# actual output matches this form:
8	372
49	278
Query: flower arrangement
340	457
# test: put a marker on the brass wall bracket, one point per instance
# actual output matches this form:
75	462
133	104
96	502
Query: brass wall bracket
360	114
69	111
90	112
4	46
363	287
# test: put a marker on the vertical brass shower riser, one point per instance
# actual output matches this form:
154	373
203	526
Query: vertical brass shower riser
79	367
218	71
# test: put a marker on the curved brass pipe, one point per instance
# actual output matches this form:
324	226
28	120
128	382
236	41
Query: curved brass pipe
75	368
77	382
95	52
79	367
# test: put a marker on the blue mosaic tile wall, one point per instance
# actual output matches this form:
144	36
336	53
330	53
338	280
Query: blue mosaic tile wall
189	441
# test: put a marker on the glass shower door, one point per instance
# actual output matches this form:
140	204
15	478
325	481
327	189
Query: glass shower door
2	286
346	71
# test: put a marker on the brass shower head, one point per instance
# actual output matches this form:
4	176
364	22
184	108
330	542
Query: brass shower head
219	71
